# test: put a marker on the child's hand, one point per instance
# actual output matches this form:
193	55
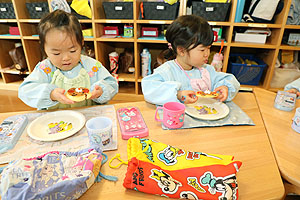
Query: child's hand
97	92
223	90
294	91
58	94
187	96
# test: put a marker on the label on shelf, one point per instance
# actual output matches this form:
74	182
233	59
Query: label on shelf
258	25
3	21
157	22
212	23
113	21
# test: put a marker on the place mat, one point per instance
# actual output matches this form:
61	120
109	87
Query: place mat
28	147
236	116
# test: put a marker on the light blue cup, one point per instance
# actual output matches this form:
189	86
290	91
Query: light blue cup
296	121
285	101
99	131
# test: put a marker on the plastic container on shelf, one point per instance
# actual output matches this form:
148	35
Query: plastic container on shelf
247	74
146	62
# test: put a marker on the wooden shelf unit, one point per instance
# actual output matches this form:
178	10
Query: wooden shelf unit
103	46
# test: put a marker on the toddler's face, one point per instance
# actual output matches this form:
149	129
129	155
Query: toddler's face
198	56
62	49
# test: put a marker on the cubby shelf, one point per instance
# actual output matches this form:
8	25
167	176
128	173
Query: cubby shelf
130	83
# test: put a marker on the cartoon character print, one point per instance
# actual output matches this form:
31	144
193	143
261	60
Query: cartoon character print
48	171
59	127
167	184
296	121
174	119
225	185
132	121
188	195
168	155
146	144
6	130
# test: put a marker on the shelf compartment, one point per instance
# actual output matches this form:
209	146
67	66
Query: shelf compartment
126	77
5	30
11	78
33	53
5	47
157	56
120	37
127	87
29	29
103	49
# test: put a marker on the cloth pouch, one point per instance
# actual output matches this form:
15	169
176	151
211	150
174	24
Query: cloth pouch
164	170
54	175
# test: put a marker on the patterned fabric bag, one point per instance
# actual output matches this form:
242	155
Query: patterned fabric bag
161	169
54	175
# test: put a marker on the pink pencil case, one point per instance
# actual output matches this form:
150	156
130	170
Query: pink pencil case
131	123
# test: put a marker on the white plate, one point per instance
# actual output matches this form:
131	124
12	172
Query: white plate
38	129
222	109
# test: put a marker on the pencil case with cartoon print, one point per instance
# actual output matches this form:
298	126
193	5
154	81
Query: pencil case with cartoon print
10	131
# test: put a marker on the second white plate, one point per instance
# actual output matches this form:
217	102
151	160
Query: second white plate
221	110
56	125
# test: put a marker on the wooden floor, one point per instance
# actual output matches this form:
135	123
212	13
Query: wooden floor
9	101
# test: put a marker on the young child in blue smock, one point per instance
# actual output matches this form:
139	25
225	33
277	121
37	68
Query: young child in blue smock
293	87
190	38
61	40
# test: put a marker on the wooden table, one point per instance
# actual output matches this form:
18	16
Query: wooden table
258	178
284	140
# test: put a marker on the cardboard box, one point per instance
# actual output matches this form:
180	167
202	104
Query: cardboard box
250	38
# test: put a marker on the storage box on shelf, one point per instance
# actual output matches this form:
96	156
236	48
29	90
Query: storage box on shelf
7	11
37	10
118	10
158	10
247	68
103	46
211	11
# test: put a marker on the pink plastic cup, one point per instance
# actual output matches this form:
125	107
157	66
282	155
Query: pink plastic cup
173	114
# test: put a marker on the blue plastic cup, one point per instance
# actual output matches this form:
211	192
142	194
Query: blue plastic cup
296	121
99	131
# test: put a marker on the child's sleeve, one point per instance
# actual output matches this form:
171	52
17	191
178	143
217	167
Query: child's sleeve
224	79
293	85
106	81
159	89
36	88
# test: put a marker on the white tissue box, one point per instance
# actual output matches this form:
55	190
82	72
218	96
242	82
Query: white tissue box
250	38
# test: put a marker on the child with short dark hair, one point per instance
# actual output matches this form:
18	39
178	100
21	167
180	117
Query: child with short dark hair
61	41
190	38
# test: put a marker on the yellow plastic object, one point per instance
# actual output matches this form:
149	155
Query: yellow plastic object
171	2
82	7
87	32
